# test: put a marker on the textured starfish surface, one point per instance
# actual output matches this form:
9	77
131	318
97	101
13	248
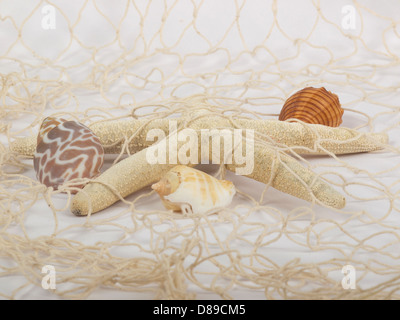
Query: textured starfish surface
272	165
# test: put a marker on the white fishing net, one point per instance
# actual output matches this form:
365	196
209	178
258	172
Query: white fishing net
100	60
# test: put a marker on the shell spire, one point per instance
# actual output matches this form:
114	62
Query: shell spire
159	187
47	125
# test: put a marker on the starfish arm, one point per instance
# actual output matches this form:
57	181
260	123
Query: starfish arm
112	135
24	146
122	179
304	139
318	139
286	174
119	181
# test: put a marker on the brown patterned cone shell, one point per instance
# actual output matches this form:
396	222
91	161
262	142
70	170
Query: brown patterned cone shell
47	125
68	151
313	105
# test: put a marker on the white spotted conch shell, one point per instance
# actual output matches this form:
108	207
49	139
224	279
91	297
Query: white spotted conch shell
66	150
187	190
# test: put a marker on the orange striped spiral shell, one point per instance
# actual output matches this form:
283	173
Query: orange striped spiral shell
66	150
313	105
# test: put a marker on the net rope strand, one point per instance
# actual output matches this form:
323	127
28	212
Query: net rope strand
180	256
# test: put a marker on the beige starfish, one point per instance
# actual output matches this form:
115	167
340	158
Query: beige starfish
271	164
